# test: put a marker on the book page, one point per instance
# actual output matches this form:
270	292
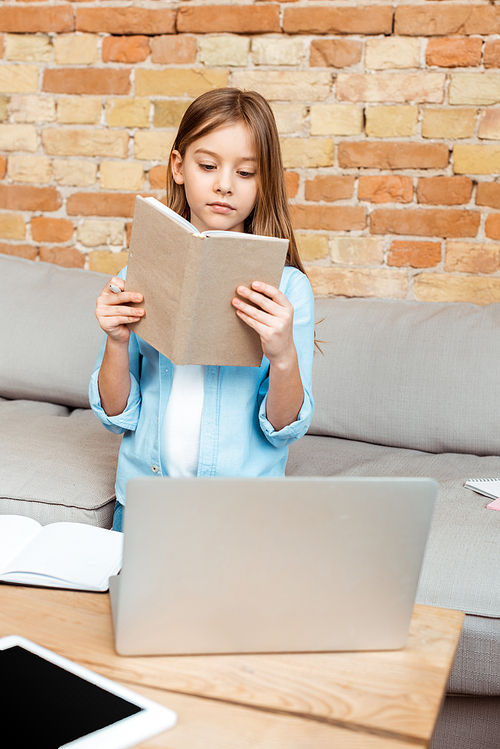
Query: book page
15	532
69	552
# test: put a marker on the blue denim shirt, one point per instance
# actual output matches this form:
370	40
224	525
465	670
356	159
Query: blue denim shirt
236	438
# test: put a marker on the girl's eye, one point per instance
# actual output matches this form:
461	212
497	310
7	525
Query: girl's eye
246	174
207	167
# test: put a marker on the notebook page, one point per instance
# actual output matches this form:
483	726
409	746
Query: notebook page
15	532
72	552
487	487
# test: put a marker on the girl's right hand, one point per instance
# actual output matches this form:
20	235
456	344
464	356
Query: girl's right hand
112	314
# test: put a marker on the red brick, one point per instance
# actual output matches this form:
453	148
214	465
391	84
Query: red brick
51	229
425	222
102	203
386	189
491	54
488	193
329	188
27	198
85	81
334	53
292	183
3	166
454	53
21	250
390	155
492	227
435	19
125	48
327	20
415	254
58	19
158	177
180	49
241	19
444	190
68	257
125	21
328	217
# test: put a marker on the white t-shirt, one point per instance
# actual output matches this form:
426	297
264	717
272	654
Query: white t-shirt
180	443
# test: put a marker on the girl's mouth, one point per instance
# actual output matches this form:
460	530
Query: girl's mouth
221	207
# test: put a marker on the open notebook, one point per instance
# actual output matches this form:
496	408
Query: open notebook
489	488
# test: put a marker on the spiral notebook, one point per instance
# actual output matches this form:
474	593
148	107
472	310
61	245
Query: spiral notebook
489	488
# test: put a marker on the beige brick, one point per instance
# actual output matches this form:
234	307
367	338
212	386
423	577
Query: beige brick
18	138
391	122
75	49
357	250
74	172
226	49
28	47
121	175
4	108
127	112
12	226
32	108
289	117
477	89
468	257
278	50
392	52
178	82
489	124
312	246
471	159
336	119
284	85
443	287
105	261
31	169
307	152
74	142
18	79
169	113
79	110
359	282
396	87
449	123
154	146
94	232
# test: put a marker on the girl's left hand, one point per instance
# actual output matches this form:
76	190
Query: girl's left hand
272	319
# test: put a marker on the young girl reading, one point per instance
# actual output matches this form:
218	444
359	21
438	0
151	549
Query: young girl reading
225	173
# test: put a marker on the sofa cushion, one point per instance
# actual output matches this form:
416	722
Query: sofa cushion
56	464
50	338
408	374
461	558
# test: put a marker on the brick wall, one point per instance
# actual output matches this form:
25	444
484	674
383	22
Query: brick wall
389	115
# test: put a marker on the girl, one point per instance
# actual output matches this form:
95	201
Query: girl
225	172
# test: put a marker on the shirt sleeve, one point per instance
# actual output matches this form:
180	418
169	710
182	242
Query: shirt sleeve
129	418
299	292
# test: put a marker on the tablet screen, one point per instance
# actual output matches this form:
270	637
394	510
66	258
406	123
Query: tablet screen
44	704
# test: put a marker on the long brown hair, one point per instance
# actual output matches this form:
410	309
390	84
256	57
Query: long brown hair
227	106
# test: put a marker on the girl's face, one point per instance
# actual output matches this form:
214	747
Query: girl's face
219	174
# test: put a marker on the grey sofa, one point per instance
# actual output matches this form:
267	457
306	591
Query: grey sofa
401	389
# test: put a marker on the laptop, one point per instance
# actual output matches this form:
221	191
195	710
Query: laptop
259	565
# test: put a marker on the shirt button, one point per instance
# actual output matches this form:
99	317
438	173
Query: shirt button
154	469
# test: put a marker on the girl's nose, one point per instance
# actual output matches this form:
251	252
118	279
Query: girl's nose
223	184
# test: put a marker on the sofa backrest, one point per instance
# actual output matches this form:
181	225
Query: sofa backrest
414	375
49	335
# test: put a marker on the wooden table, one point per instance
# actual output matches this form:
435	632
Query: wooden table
374	700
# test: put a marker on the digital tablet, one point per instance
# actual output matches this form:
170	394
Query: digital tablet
52	702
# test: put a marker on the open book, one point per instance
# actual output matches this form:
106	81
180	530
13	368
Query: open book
488	488
188	280
58	555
